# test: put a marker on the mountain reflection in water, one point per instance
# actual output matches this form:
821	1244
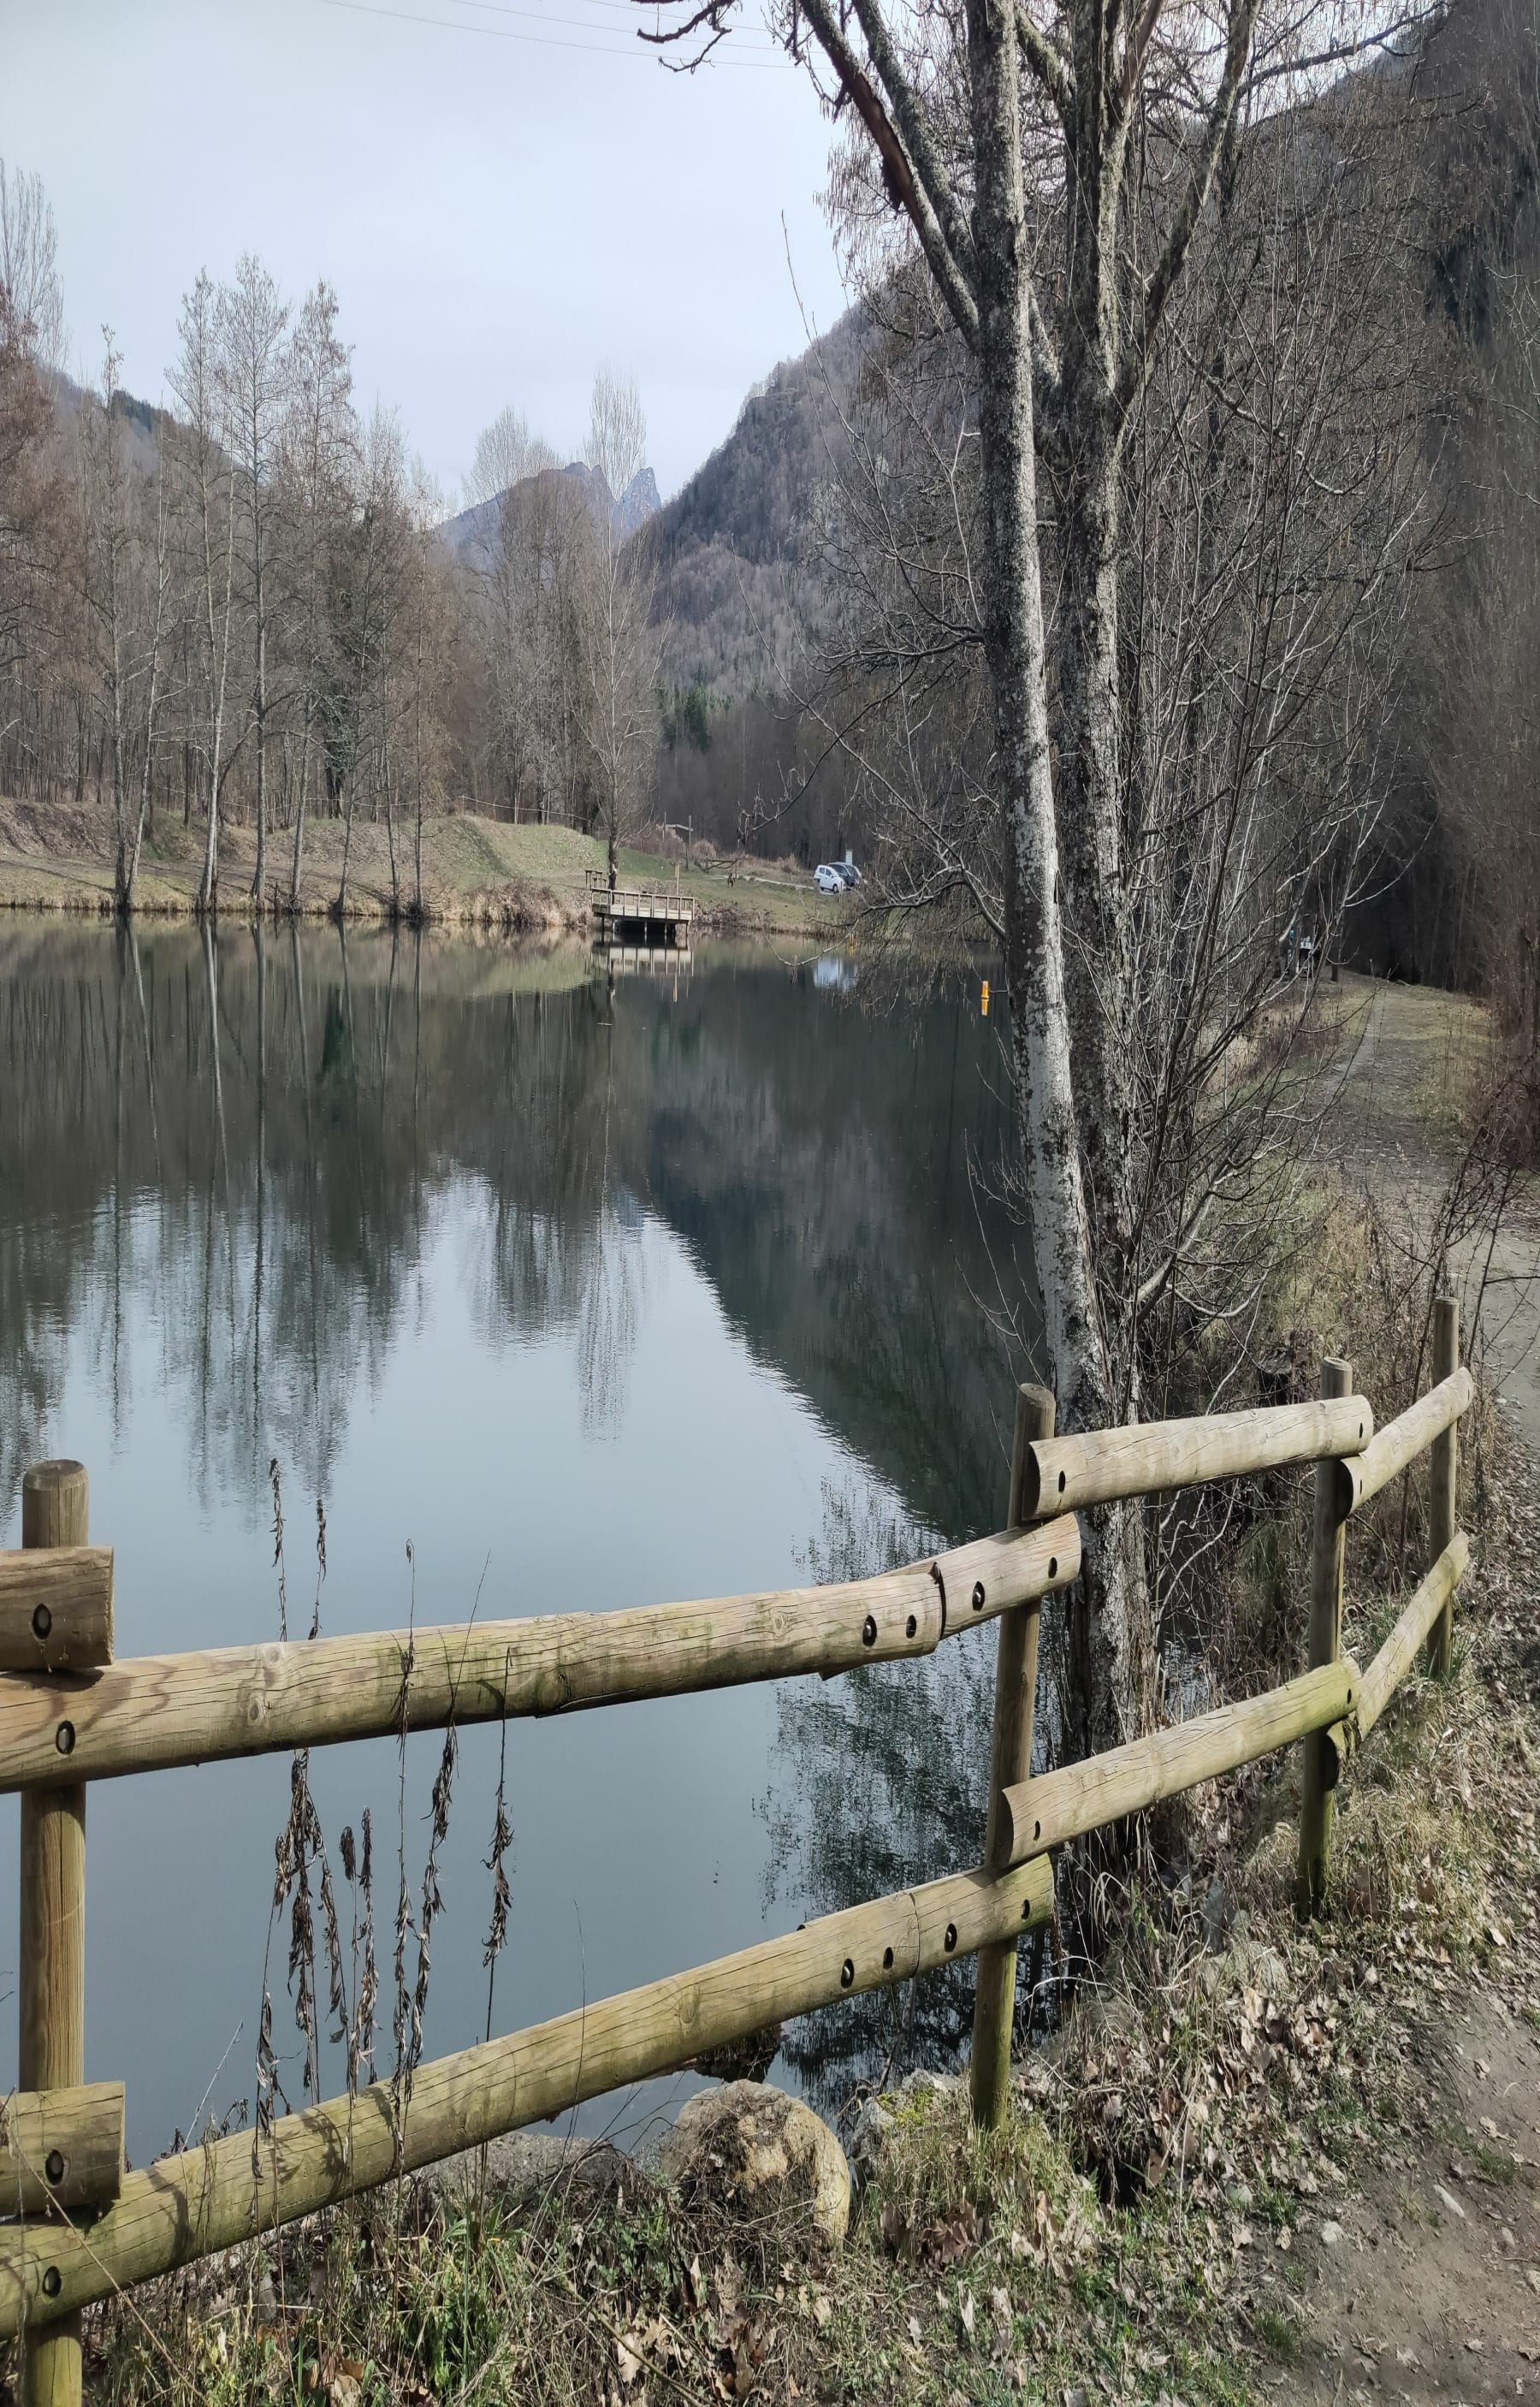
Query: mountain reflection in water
597	1299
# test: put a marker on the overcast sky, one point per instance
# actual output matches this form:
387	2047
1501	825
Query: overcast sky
504	197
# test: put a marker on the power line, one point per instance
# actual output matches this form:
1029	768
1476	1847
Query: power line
541	41
620	8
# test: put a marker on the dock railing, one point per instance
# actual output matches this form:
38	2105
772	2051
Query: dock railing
82	2229
659	904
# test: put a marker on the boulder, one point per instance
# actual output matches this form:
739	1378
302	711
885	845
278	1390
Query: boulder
759	2152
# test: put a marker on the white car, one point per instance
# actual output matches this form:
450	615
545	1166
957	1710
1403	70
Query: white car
827	879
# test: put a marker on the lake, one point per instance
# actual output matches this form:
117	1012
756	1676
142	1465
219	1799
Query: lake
554	1294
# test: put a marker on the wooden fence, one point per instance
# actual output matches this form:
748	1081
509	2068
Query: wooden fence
80	2228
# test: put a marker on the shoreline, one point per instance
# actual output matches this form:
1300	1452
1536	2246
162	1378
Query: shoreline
479	875
512	914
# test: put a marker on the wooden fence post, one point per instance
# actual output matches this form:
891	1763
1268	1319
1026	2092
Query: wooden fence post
1010	1760
52	2019
1443	1468
1326	1550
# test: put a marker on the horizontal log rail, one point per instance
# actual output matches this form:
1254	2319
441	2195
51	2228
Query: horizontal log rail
1399	1653
1081	1798
214	2197
55	1608
70	1713
60	2147
1396	1659
1395	1448
150	1712
1064	1474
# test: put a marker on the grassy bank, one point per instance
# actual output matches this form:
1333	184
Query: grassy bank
476	873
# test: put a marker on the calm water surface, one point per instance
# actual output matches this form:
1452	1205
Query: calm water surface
589	1299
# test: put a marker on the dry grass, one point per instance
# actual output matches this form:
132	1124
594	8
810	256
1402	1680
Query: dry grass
477	874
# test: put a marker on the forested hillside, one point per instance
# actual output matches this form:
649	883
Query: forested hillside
734	588
1457	898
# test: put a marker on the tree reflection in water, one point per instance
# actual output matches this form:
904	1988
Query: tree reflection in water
247	1146
881	1783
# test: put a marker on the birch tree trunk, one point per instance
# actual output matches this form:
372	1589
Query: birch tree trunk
153	699
1108	1643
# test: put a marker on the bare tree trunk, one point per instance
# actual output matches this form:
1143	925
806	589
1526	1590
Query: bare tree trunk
341	905
259	880
1109	1635
208	887
389	815
417	730
299	813
163	579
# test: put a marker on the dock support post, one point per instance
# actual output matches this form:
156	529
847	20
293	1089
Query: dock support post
1326	1552
1010	1760
51	2020
1444	1472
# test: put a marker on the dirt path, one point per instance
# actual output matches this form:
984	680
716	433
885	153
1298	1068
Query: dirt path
1404	1058
1424	2284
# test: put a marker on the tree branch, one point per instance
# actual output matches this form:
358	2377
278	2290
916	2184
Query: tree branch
905	189
912	173
1137	45
909	111
1168	267
1052	69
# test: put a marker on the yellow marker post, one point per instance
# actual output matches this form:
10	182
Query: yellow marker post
984	1002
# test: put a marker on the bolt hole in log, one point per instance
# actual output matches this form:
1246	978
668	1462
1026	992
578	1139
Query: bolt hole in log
52	2283
888	1953
952	1937
978	1596
911	1626
847	1973
868	1631
1053	1567
55	2167
42	1622
1060	1483
64	1738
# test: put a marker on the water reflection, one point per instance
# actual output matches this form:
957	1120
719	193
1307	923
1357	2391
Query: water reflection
601	1293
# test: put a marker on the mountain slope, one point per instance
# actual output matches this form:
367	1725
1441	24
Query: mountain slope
731	594
480	524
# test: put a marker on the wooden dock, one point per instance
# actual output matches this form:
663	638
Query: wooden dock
623	957
649	917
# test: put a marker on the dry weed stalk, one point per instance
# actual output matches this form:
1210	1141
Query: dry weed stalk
501	1839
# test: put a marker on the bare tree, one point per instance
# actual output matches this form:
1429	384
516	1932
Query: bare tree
317	442
252	323
210	509
1055	166
505	454
104	514
527	565
429	624
366	599
126	586
621	647
29	270
33	504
